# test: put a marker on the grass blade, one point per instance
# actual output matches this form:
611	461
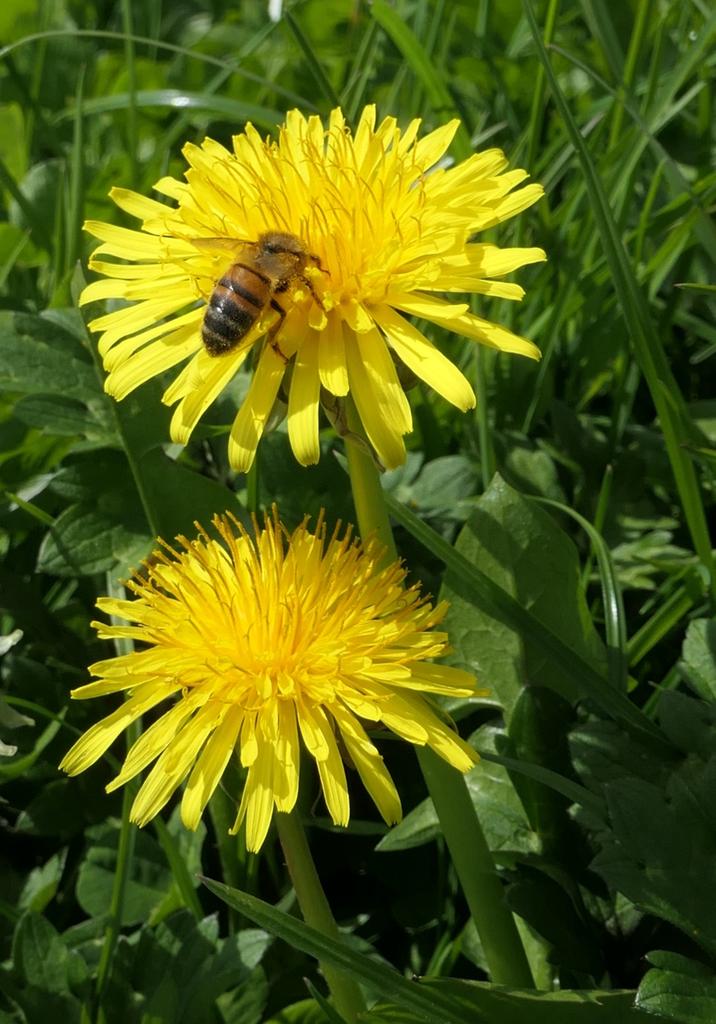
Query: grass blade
614	617
429	1004
645	339
423	68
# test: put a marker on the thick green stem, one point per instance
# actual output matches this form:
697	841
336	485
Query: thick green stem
315	909
370	507
475	868
470	854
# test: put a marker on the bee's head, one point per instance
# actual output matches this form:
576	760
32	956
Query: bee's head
275	242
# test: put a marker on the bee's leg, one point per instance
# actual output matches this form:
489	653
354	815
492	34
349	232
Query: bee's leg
309	284
271	336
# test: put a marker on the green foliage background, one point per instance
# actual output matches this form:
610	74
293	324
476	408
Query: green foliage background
566	521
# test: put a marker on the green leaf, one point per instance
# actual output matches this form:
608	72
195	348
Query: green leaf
42	959
196	972
418	827
85	539
147	883
661	850
184	497
13	152
699	657
512	541
502	1006
44	974
550	902
614	618
497	805
428	1004
180	969
246	1004
538	739
442	489
678	989
42	883
39	954
494	604
67	417
35	201
304	1012
39	356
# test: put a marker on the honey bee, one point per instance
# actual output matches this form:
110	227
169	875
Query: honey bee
266	268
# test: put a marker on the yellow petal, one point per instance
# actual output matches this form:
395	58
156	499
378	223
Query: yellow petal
156	739
369	763
212	376
443	679
431	147
424	359
152	360
209	768
303	403
90	747
379	399
332	357
318	737
138	205
491	261
134	318
114	351
288	759
257	799
471	326
515	203
250	421
172	767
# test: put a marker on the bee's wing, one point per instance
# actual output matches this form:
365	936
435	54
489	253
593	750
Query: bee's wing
214	245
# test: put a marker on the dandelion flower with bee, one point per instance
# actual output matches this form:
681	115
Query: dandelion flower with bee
260	642
374	231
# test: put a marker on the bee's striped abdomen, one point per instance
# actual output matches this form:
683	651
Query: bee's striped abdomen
235	305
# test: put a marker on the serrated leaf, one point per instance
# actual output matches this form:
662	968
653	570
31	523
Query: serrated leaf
499	606
678	989
661	852
699	657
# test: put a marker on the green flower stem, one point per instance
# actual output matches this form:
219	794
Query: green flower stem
506	958
125	848
315	909
125	854
371	511
475	868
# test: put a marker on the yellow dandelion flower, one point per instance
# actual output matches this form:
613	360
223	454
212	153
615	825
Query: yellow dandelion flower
324	241
258	641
